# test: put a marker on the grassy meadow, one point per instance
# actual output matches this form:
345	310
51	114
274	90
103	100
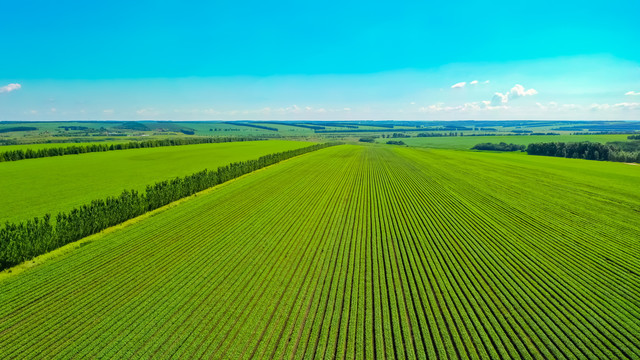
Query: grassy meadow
467	142
355	252
35	187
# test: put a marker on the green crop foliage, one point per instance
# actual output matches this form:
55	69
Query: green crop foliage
467	142
355	252
35	187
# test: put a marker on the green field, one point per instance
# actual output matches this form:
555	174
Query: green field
35	187
57	145
467	142
355	252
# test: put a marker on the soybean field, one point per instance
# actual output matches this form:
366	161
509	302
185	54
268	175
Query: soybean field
355	252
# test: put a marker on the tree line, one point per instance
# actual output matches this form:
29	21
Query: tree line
371	130
634	137
305	126
502	146
18	128
22	241
15	155
585	150
236	123
437	134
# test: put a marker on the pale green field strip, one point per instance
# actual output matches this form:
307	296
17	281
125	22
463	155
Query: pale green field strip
356	252
35	187
467	142
4	148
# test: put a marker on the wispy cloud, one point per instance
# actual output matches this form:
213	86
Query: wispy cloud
10	88
597	107
627	106
554	106
148	113
471	106
462	84
633	93
500	99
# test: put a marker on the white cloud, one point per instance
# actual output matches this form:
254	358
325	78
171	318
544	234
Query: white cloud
633	93
460	85
53	110
554	106
467	107
295	109
500	99
473	106
10	88
619	106
498	102
518	91
431	108
148	113
627	106
596	107
546	107
210	111
108	111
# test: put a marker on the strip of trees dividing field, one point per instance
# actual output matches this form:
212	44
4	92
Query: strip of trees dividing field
22	241
367	252
19	154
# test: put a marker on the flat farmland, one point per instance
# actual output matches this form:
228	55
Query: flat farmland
35	187
467	142
23	147
355	252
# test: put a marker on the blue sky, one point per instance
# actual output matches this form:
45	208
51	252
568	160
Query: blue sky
226	60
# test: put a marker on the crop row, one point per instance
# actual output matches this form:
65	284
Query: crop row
351	252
